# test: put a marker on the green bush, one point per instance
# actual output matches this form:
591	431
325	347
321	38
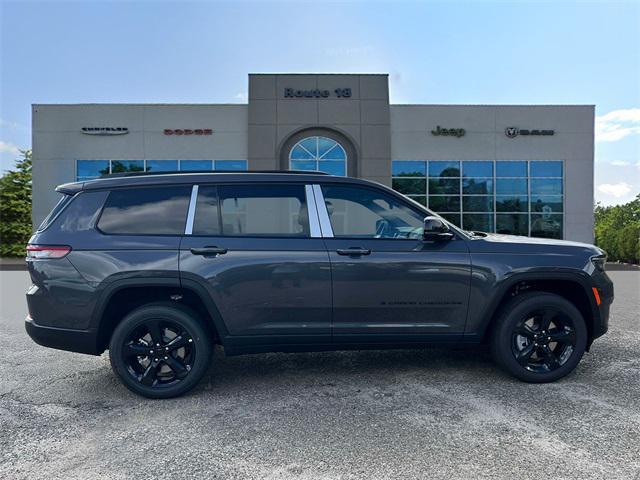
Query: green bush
617	231
15	208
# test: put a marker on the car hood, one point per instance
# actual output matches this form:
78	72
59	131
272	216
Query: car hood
514	243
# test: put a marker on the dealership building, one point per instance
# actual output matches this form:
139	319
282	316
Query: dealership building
519	169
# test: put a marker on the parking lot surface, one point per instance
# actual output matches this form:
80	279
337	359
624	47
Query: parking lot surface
436	414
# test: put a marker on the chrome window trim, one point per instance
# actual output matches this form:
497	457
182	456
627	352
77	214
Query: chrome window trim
191	213
323	214
312	212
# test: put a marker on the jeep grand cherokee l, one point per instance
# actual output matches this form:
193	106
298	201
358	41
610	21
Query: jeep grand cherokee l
159	268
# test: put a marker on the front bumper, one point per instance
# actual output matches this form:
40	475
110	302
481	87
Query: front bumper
81	341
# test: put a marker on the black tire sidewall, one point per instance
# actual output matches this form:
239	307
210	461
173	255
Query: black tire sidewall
513	313
179	314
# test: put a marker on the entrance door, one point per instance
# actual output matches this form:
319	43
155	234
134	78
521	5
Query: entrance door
386	279
261	261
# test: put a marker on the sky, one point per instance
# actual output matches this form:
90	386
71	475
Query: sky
446	52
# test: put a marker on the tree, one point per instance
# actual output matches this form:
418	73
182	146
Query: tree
617	230
15	207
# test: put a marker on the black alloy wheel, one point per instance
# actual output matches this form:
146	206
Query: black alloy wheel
158	353
160	350
544	340
539	337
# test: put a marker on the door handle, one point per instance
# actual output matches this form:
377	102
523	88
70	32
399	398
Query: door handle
209	251
353	251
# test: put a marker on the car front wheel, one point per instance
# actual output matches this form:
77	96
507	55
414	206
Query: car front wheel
539	337
160	350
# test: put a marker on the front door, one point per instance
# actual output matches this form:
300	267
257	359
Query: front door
251	247
387	282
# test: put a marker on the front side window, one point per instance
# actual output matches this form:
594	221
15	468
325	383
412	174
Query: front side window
146	211
357	212
319	153
262	210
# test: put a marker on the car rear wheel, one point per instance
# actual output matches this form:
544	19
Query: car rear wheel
539	337
160	350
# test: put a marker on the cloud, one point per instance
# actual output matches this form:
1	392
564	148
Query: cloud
9	148
617	190
618	124
620	163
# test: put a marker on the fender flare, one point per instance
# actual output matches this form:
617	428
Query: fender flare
578	277
109	290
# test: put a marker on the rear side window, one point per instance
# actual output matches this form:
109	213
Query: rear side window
82	213
62	202
146	211
253	210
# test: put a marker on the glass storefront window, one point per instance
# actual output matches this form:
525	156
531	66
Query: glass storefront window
477	186
511	186
477	169
546	186
444	169
410	186
546	168
239	165
509	168
442	185
512	203
90	169
477	203
195	165
546	204
162	165
510	196
444	203
546	225
512	223
124	166
478	222
408	168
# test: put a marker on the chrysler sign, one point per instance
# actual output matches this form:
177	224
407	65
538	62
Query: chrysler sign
513	132
105	130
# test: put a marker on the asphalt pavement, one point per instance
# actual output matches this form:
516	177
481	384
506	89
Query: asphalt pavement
427	414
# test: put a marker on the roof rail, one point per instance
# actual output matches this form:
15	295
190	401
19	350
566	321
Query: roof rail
175	172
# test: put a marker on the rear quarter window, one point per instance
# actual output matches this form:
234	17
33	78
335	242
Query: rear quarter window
146	211
82	213
62	203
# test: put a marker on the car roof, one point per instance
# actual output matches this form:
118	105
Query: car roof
182	178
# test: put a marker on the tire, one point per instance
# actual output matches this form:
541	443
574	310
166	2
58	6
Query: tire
521	345
160	350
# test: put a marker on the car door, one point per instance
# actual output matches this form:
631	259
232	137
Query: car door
386	280
260	256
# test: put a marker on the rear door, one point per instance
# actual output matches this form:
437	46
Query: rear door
257	251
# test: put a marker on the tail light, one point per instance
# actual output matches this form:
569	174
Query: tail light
37	252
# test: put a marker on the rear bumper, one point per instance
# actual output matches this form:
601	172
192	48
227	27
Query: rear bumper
81	341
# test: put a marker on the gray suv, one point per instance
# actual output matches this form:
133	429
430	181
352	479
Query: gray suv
158	268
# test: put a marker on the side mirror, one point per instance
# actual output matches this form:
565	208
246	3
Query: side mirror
435	230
